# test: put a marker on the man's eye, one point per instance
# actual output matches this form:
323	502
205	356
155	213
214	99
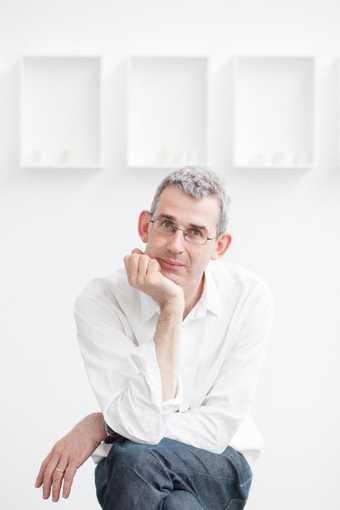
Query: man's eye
193	232
168	225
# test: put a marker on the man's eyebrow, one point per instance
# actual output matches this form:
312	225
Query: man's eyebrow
172	218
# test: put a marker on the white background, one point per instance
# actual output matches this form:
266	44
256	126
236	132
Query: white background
60	228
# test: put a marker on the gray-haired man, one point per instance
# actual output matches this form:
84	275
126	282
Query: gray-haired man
173	344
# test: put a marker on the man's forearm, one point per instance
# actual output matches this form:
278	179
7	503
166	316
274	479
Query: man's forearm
167	341
93	426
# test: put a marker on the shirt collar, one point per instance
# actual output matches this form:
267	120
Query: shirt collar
209	300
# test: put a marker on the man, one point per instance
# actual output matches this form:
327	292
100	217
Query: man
173	345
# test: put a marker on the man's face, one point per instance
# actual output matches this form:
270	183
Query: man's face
180	260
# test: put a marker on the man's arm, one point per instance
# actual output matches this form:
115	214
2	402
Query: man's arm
144	274
125	378
167	341
133	384
71	451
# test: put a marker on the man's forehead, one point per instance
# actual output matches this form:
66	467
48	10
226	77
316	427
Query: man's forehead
186	209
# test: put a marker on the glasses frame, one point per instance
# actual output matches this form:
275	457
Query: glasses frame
184	230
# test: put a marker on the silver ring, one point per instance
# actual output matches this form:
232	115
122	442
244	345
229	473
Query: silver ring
59	469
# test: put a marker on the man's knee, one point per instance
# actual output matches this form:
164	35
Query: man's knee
136	457
134	472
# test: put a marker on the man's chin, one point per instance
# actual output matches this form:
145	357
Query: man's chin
172	276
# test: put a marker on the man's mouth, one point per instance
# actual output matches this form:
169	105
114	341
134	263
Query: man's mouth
171	264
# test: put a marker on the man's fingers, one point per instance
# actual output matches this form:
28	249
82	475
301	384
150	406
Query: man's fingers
49	473
132	268
128	267
40	477
142	268
44	464
153	266
126	262
138	265
58	478
68	480
137	250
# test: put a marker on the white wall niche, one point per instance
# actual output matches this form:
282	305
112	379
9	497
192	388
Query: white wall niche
61	111
274	112
167	111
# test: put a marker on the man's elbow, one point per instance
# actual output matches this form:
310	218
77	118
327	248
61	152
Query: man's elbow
139	430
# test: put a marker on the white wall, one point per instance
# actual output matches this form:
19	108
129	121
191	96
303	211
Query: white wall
59	228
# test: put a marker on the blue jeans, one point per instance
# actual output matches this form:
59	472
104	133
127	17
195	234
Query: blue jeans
171	475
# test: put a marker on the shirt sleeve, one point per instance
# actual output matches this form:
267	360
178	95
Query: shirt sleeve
213	424
125	378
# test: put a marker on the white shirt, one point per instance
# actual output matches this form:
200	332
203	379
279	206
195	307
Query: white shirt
223	345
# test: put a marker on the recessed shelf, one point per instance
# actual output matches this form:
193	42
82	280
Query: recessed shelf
167	111
273	117
60	111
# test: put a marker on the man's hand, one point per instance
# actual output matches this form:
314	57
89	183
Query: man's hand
70	452
144	273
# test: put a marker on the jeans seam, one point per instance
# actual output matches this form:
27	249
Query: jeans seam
247	481
216	477
233	500
180	474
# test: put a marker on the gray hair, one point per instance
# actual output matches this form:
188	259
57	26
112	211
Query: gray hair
198	183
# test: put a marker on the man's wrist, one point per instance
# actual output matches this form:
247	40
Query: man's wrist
95	423
172	307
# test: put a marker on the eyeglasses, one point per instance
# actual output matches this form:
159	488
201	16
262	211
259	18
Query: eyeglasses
168	228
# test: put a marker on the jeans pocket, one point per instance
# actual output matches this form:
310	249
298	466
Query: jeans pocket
236	504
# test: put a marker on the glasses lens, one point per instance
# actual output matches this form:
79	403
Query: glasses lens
165	226
191	235
195	236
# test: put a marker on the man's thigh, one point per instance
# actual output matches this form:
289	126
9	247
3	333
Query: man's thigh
216	480
206	474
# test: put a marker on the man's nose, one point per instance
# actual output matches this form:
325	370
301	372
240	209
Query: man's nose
176	242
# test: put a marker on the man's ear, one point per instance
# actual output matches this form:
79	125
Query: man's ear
143	225
221	246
